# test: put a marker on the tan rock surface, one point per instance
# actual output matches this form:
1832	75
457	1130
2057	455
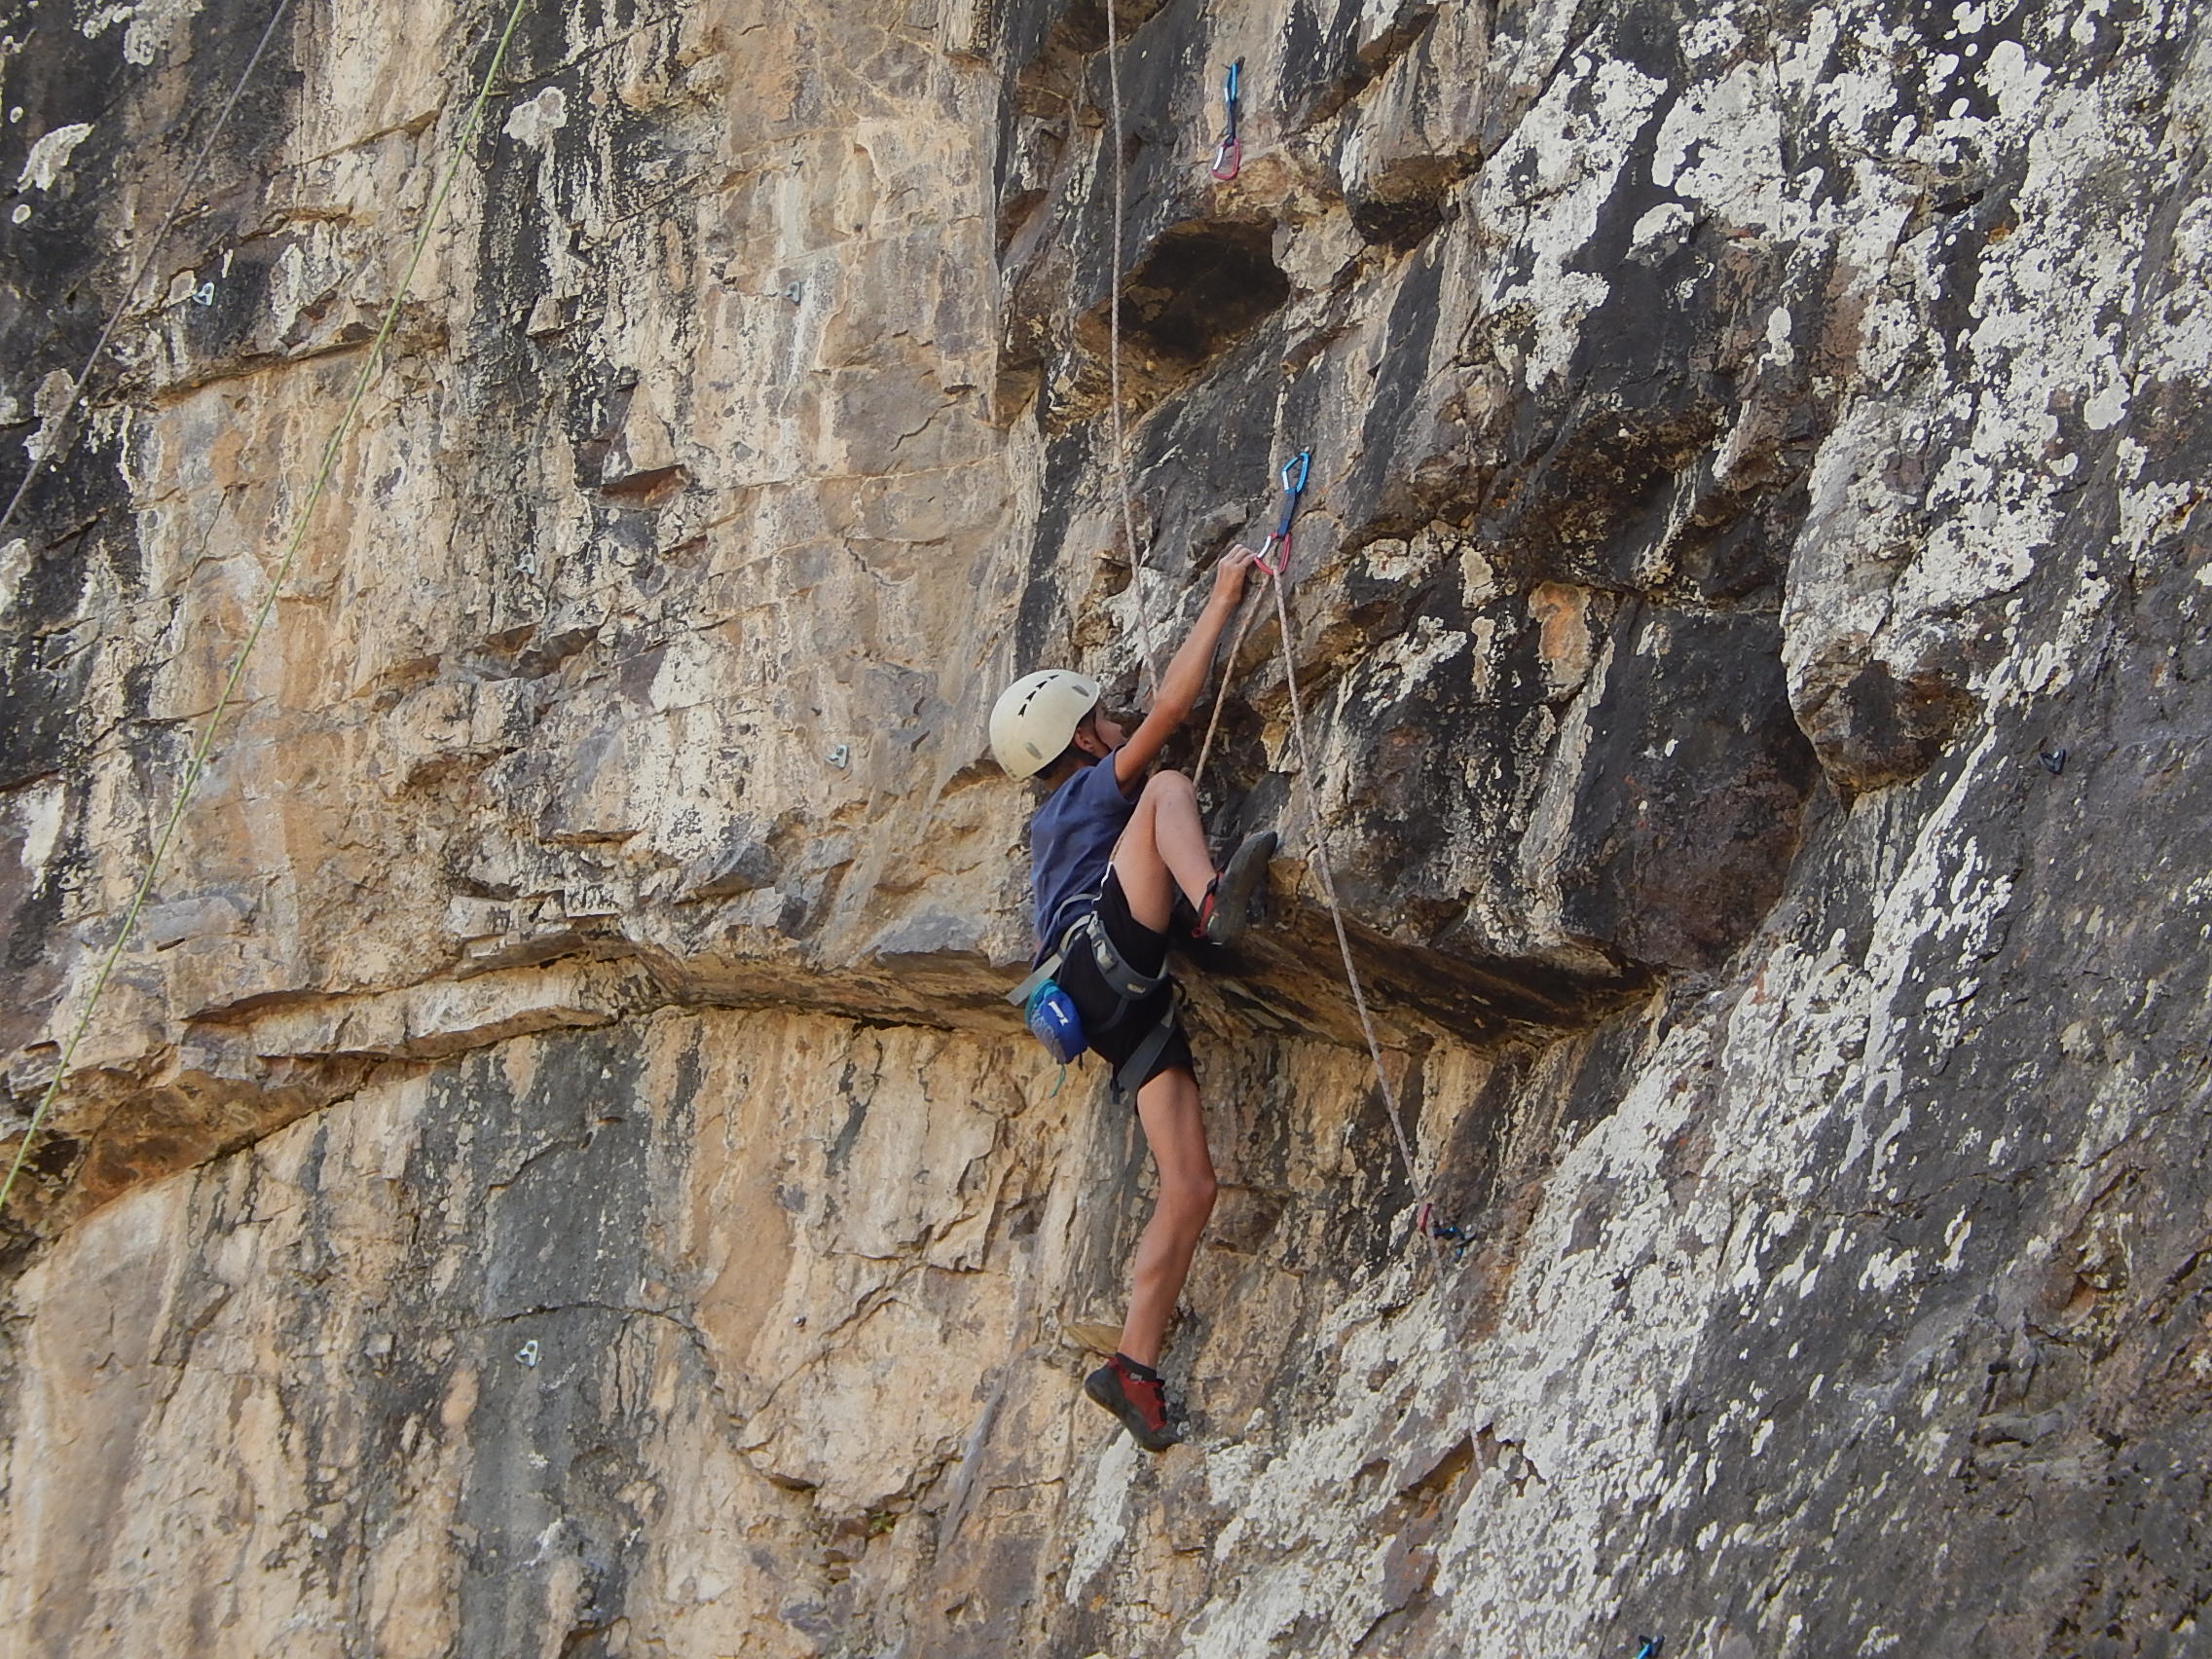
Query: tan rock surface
553	1173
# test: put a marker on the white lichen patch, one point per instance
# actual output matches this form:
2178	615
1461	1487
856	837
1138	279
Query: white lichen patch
1104	1521
148	25
1886	1270
1962	501
50	157
52	399
1720	147
1547	188
1401	665
1955	1239
14	560
1711	37
2176	334
1661	230
535	121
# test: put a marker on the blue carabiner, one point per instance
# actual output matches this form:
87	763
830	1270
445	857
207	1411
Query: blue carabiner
1426	1225
1229	154
1274	556
1292	488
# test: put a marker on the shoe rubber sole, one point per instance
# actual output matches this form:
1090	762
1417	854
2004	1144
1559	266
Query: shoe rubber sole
1232	894
1105	1389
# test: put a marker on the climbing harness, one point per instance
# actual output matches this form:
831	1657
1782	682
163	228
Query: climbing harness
1273	560
1274	554
59	430
1229	154
372	359
1114	350
1051	1012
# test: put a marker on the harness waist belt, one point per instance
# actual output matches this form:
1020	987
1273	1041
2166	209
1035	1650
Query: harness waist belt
1124	980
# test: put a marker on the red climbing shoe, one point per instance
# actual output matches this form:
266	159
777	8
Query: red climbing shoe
1134	1393
1228	905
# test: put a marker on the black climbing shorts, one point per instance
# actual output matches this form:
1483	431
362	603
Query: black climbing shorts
1146	952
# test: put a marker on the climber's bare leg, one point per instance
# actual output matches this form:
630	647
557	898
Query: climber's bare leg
1163	849
1175	1128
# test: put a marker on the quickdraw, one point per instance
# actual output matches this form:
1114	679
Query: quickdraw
1229	154
1274	553
1442	1232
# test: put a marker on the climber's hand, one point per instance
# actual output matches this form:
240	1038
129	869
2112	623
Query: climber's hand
1228	575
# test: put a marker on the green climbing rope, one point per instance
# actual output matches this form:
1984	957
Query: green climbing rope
370	362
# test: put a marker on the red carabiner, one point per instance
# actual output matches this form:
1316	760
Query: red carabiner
1228	157
1273	556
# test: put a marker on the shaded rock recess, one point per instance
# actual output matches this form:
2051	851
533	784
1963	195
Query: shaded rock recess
552	1174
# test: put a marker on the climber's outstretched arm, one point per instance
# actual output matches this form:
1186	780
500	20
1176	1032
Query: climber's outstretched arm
1185	681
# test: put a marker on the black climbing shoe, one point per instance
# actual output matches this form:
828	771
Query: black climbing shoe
1229	895
1135	1394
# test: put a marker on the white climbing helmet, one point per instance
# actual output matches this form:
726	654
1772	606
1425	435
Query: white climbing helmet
1035	717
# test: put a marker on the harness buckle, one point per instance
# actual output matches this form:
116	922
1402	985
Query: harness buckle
1122	979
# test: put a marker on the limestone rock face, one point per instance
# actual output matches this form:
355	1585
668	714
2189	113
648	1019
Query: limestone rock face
551	1172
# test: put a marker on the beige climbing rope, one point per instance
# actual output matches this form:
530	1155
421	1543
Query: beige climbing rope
1324	874
1228	668
1114	146
60	433
370	363
1328	880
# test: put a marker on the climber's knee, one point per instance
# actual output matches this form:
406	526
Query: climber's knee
1189	1198
1170	785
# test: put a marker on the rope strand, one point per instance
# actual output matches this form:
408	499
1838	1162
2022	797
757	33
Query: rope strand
1221	697
1329	885
370	363
138	275
1114	350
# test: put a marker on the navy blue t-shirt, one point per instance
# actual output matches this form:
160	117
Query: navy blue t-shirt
1071	843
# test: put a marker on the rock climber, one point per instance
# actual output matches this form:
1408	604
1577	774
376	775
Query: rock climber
1121	868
